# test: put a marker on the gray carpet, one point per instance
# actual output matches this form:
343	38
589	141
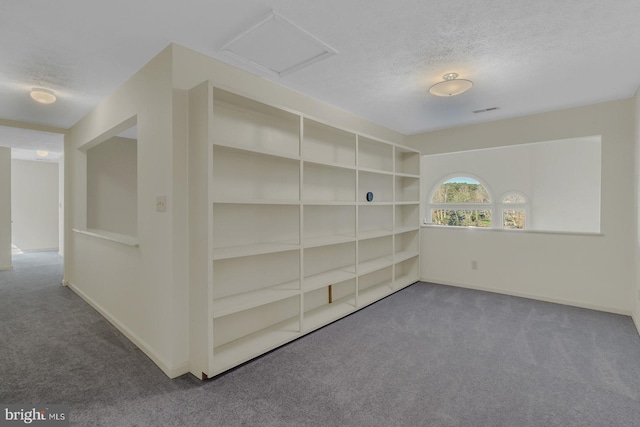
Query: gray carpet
429	355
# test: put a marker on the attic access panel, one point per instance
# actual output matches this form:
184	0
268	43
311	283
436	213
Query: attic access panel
277	46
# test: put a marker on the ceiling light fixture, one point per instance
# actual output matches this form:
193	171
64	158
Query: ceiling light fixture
43	96
451	86
42	153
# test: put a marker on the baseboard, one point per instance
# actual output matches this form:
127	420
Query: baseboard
636	322
171	372
26	251
579	304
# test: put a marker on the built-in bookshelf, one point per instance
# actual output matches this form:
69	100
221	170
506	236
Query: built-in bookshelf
285	238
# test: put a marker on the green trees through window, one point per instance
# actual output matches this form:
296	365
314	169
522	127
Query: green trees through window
465	196
461	192
514	211
465	202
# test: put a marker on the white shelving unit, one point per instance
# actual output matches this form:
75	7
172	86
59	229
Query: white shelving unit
285	240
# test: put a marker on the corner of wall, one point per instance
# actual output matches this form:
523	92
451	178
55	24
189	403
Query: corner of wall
5	209
143	295
635	297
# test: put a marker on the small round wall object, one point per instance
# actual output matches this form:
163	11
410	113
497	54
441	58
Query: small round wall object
369	196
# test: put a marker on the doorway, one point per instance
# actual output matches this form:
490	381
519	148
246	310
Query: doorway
31	193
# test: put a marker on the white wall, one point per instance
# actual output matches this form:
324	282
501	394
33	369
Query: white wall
112	187
34	207
5	208
132	286
144	291
565	185
594	271
635	291
560	178
502	169
61	231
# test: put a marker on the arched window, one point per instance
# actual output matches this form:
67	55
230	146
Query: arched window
515	208
461	201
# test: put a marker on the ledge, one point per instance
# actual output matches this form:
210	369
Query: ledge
107	235
500	230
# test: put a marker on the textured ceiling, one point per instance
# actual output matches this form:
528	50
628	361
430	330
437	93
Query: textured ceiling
24	143
523	56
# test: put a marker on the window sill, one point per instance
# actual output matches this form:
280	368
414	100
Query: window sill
502	230
107	235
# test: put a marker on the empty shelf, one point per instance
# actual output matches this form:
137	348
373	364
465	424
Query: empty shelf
407	175
253	150
254	249
405	280
405	255
405	229
327	313
328	278
256	202
252	345
311	242
374	264
380	171
374	293
247	300
372	234
330	164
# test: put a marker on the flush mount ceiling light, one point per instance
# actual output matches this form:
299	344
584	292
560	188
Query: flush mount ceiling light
43	96
42	153
451	86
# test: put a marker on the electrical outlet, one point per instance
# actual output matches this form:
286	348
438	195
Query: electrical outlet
161	204
474	265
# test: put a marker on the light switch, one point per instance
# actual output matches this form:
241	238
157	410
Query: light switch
161	203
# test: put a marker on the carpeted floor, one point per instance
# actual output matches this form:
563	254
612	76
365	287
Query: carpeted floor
429	355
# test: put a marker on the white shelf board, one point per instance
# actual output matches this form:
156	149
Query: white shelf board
256	202
374	264
313	242
235	303
375	203
330	164
407	175
254	249
252	345
378	171
405	280
328	313
405	255
112	237
327	278
374	293
405	229
372	234
253	150
328	203
408	202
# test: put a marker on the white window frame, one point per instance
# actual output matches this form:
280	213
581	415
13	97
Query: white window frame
515	206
